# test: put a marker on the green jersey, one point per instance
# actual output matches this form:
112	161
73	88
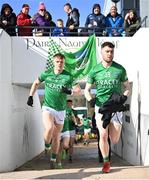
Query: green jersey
68	122
53	97
107	80
86	123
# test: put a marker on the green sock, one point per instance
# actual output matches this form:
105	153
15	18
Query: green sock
106	159
53	157
47	145
63	154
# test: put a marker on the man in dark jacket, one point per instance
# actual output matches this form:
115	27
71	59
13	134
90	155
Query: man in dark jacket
73	19
8	19
95	21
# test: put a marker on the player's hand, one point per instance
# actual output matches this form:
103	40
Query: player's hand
66	90
30	101
4	22
123	99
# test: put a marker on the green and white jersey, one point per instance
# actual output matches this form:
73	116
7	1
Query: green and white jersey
107	80
68	122
53	96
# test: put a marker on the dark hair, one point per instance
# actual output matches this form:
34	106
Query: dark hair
61	56
109	44
48	16
68	4
69	100
135	14
60	20
96	6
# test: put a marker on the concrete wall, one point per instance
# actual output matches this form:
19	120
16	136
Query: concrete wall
144	6
134	142
21	130
27	63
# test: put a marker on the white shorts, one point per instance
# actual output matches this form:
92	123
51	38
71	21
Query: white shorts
65	134
59	116
116	117
71	133
87	130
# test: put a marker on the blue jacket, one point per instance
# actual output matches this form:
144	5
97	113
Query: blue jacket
114	26
59	32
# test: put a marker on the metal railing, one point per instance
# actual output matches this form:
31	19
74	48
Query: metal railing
143	22
48	31
81	31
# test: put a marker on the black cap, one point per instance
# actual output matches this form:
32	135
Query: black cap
25	5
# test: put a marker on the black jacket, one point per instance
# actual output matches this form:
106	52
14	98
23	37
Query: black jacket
73	19
11	20
114	104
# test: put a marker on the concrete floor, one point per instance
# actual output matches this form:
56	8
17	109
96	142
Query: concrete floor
85	166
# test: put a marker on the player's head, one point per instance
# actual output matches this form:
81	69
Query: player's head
59	61
69	103
107	51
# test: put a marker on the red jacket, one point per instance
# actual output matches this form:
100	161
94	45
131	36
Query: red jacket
24	20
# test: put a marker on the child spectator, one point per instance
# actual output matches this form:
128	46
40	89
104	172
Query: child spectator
24	19
131	23
8	19
60	30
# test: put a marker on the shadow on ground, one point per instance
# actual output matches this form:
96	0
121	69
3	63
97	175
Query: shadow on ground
84	157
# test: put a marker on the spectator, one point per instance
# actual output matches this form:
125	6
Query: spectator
95	21
131	23
114	23
60	30
39	20
24	19
52	24
73	21
8	19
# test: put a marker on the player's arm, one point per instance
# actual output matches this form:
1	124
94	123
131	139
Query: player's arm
127	90
87	92
80	122
74	119
90	123
34	87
